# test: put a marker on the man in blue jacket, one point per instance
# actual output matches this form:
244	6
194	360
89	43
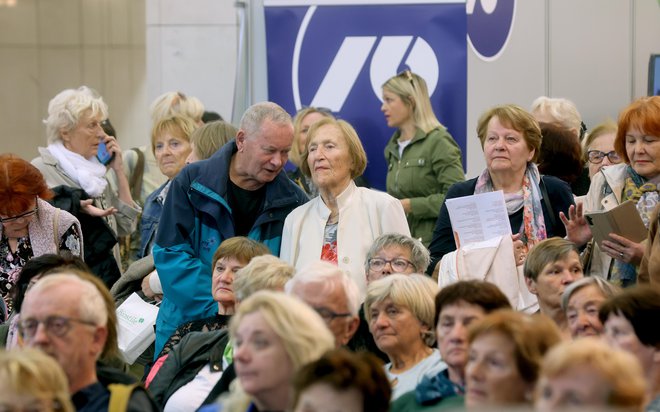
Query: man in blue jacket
240	191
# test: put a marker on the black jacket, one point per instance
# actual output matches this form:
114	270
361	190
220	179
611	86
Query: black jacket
560	198
185	360
98	238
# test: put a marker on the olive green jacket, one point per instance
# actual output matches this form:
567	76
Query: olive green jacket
430	164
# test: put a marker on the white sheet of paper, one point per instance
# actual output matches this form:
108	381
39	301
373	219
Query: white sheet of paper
479	217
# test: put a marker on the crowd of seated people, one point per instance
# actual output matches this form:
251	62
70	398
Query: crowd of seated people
311	293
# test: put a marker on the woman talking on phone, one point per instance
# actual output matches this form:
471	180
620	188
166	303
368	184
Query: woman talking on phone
78	156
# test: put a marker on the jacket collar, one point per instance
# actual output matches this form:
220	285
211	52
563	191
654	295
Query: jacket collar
615	176
343	200
393	144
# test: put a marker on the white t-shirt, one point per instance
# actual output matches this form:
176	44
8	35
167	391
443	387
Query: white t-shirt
408	380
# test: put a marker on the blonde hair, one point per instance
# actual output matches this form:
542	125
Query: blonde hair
516	118
303	333
412	90
67	108
30	372
355	148
209	138
177	125
294	155
415	292
562	111
173	103
265	272
619	368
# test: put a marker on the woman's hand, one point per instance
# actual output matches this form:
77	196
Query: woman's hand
577	228
518	249
117	162
87	207
619	248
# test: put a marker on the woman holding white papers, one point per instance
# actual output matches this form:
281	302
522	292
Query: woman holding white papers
511	139
638	143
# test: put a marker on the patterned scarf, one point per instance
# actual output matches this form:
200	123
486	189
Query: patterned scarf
533	227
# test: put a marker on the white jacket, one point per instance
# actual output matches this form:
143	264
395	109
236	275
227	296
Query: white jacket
364	214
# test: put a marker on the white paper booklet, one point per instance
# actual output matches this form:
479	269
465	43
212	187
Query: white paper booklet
479	217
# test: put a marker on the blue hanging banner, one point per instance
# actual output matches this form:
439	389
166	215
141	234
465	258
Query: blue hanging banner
338	56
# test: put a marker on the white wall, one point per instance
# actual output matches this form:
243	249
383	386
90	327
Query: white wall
49	45
594	52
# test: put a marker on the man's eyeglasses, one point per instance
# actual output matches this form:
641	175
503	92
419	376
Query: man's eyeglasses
55	326
596	156
19	217
398	264
328	315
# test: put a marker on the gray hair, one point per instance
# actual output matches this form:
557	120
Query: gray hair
91	306
265	272
419	255
68	106
606	288
328	277
256	114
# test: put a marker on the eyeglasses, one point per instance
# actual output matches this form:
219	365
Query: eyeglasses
596	156
328	315
19	217
55	325
408	75
398	264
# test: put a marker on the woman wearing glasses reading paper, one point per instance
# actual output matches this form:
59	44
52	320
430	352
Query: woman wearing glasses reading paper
423	159
638	143
29	225
511	139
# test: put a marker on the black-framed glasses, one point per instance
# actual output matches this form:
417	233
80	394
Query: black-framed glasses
408	75
55	325
25	215
398	264
329	315
596	156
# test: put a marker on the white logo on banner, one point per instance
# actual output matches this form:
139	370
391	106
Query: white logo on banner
351	58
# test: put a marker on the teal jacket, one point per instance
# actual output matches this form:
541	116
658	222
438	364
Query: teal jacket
196	218
430	164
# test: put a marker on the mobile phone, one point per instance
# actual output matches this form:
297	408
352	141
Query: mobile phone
103	155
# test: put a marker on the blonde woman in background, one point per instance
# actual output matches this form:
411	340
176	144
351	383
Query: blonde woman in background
207	139
32	381
423	159
273	336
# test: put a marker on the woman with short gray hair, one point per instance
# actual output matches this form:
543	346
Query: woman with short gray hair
395	253
400	311
581	301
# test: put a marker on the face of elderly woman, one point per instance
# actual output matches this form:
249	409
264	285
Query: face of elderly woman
329	160
578	387
619	333
644	152
171	152
491	373
604	144
582	312
262	363
505	149
395	328
85	137
222	283
390	259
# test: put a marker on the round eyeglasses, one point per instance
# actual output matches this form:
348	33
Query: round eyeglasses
398	264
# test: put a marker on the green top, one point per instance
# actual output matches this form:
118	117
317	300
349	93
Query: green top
430	164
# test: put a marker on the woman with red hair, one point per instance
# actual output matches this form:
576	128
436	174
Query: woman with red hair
29	225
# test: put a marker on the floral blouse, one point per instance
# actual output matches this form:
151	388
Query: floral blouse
11	263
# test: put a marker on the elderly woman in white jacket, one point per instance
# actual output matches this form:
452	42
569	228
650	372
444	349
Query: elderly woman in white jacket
340	224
